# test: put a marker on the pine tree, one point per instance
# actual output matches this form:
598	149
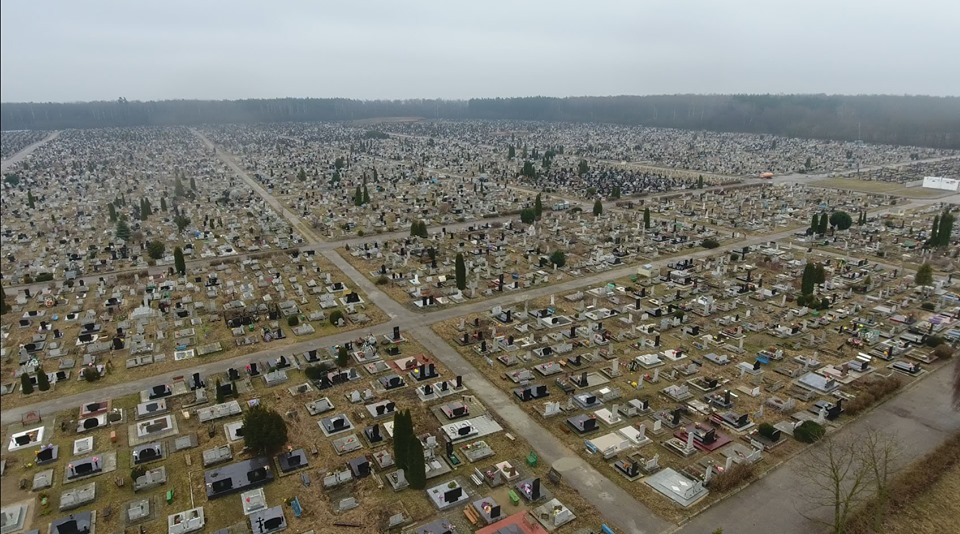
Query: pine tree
26	385
193	183
808	280
582	167
163	203
815	223
401	439
597	208
822	227
511	152
43	381
944	233
123	231
460	270
178	261
112	211
358	196
924	276
416	470
302	175
366	193
934	240
30	199
646	218
343	357
538	206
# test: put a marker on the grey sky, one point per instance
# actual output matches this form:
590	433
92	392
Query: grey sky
96	50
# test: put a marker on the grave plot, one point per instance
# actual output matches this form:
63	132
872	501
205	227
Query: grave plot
225	306
322	458
715	306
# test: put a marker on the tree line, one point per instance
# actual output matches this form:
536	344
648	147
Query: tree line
900	120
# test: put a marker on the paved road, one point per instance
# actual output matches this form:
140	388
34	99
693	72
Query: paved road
26	151
308	235
921	419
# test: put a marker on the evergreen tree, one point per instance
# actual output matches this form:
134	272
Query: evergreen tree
934	240
511	152
528	169
558	258
366	193
358	196
3	302
841	220
700	182
615	193
924	276
112	211
809	279
460	270
43	381
343	357
945	232
646	218
582	167
597	208
414	228
822	227
528	215
156	249
264	430
401	439
538	206
179	263
30	199
163	203
122	231
815	223
416	470
193	183
302	175
26	385
820	274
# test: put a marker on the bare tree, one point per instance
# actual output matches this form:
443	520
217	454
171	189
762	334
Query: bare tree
880	454
837	480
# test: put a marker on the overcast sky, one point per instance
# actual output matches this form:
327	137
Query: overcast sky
54	50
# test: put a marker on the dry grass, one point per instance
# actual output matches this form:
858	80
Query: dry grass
869	394
921	497
927	513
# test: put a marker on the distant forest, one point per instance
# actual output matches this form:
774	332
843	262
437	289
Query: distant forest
898	120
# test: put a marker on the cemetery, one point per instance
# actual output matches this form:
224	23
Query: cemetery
708	359
220	471
665	339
